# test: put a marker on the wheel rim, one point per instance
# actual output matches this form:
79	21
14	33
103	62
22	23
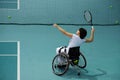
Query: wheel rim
82	61
56	65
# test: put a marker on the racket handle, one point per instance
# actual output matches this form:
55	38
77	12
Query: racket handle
92	27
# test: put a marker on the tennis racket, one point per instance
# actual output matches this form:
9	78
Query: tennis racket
88	17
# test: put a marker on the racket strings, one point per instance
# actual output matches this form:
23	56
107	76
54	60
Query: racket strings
88	16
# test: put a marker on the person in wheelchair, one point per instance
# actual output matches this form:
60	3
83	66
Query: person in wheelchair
76	41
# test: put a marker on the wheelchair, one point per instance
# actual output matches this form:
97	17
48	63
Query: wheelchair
74	58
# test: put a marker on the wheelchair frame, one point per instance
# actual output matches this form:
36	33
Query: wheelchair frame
67	62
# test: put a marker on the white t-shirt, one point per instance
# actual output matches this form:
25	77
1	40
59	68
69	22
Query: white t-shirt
75	41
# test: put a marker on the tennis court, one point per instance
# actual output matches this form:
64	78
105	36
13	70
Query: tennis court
28	40
37	49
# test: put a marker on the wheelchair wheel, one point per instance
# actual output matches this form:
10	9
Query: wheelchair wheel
60	64
82	61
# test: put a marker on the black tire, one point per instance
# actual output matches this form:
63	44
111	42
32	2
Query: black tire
55	65
82	61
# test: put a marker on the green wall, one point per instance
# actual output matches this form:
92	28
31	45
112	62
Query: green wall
62	11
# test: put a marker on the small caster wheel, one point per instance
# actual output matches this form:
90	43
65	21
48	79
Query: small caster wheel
78	74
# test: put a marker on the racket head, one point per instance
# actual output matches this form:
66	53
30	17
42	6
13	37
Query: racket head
88	16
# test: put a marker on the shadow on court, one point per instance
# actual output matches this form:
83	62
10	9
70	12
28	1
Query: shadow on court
85	74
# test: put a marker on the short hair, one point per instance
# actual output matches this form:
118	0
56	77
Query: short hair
83	33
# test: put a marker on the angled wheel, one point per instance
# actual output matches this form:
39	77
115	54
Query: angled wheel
60	64
82	61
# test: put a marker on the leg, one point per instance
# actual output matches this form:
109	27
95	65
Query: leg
61	50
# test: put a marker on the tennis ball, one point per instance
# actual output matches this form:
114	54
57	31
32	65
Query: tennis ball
116	22
110	6
9	17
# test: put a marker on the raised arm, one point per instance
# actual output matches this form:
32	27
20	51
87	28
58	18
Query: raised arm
91	38
63	31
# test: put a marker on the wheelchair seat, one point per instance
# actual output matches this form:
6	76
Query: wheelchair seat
74	54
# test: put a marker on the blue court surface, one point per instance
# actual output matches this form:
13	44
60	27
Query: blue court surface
28	41
38	45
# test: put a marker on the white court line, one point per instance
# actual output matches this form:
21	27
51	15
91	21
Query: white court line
18	60
8	2
8	55
18	4
9	41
